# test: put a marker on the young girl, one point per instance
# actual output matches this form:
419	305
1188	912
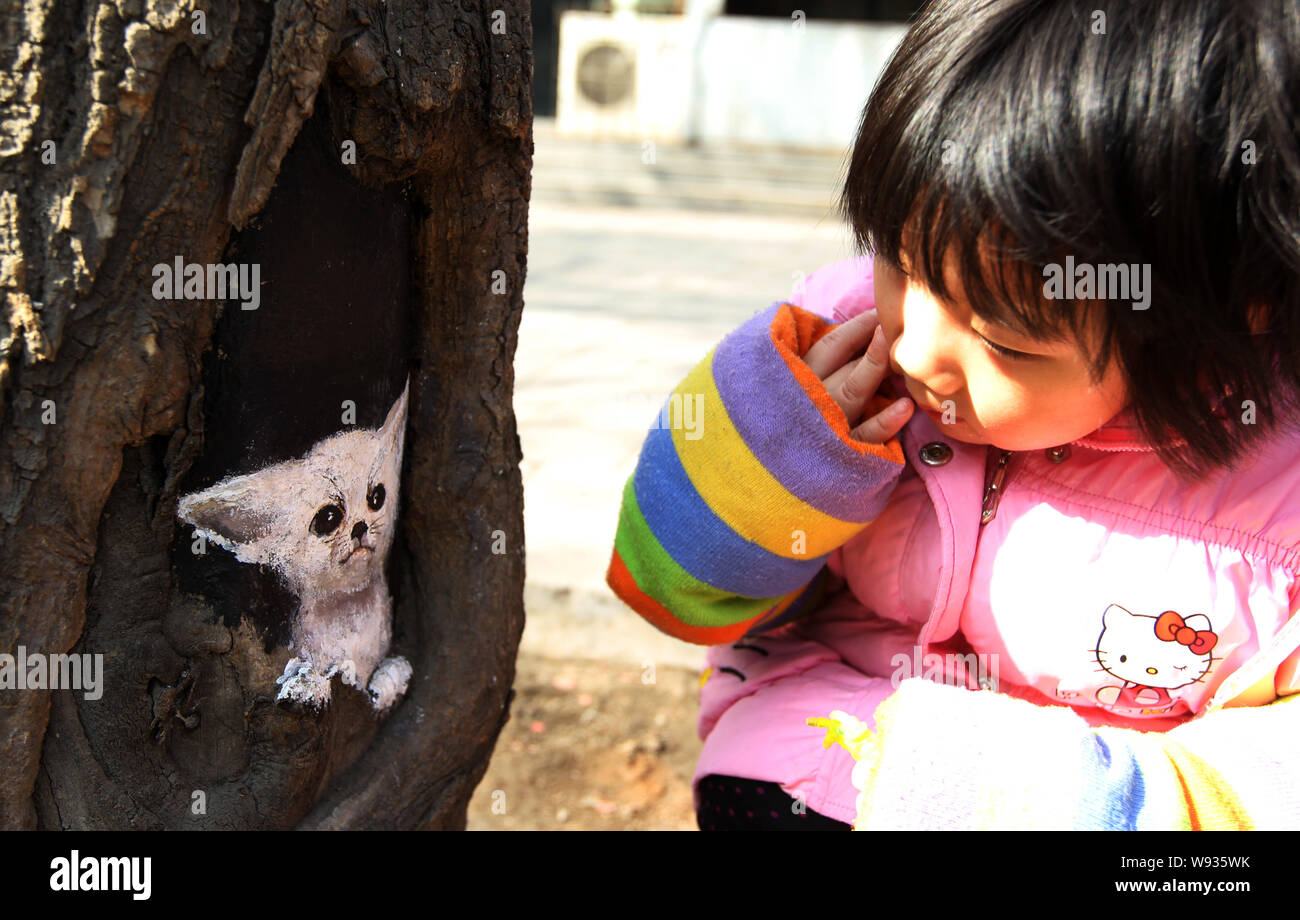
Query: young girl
1054	571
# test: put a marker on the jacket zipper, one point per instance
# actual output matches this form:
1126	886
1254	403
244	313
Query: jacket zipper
993	488
992	495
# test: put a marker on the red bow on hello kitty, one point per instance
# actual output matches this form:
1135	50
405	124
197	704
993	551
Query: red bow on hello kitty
1172	628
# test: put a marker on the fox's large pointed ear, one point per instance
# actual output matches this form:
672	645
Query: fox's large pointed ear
233	514
393	431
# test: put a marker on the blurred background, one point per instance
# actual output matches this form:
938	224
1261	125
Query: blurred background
688	160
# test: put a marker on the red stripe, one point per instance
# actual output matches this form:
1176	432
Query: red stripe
622	584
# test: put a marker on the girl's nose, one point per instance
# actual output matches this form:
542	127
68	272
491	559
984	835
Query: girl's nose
927	346
920	357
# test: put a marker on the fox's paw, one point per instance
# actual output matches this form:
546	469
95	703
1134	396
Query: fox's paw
301	683
389	682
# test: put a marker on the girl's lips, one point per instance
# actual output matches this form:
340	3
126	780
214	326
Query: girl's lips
936	414
921	404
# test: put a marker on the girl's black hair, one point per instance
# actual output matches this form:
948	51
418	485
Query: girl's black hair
1009	134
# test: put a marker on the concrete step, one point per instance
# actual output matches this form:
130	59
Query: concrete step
725	178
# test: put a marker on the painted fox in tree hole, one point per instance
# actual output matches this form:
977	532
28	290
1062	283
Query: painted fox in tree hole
325	523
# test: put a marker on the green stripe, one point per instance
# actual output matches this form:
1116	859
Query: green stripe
656	573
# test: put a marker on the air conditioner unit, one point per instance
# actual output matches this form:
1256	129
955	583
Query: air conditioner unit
624	75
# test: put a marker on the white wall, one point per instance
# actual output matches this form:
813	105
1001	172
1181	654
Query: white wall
766	81
729	79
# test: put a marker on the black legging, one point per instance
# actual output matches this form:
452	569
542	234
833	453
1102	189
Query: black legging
730	803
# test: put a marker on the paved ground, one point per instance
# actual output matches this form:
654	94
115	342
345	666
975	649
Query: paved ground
619	304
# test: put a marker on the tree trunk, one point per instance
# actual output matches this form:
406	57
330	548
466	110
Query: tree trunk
178	132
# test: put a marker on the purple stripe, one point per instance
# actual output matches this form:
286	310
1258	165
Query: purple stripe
795	443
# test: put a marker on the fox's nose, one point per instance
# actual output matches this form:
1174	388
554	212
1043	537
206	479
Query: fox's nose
358	530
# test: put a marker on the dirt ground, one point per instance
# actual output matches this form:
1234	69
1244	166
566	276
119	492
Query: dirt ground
593	745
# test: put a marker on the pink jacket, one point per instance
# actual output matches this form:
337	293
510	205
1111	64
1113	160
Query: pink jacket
1100	586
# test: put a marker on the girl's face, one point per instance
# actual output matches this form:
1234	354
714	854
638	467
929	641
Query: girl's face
1041	399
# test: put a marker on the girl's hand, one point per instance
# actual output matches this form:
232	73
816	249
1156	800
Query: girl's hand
852	381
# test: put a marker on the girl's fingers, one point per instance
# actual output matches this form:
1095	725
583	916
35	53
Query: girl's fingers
854	391
885	424
853	381
835	348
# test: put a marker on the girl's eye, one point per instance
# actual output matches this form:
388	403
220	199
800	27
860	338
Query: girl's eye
1004	352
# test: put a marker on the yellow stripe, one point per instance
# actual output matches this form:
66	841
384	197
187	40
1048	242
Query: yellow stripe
740	491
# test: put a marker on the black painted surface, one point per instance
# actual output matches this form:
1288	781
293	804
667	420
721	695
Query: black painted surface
332	325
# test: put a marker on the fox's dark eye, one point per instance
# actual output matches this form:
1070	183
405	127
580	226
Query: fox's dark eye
327	520
376	497
1123	658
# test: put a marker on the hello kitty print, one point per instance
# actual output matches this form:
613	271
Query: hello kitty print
1147	656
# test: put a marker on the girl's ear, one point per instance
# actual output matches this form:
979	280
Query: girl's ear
234	515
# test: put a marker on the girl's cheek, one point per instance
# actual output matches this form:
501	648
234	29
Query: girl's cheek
892	342
891	326
1003	406
887	286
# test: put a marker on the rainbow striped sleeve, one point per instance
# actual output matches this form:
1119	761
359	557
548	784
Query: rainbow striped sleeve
747	482
942	757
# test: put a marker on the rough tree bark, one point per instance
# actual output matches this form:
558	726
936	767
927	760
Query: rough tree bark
167	140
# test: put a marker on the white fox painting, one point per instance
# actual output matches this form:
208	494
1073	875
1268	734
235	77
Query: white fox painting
325	523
